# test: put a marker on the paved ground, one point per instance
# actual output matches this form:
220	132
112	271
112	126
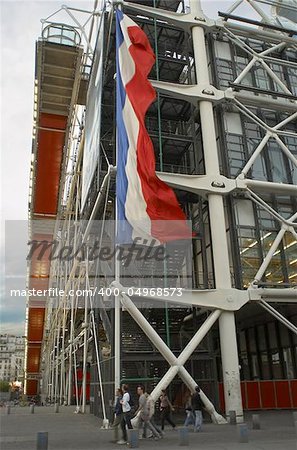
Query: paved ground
69	431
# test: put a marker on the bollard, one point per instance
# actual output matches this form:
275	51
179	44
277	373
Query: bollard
242	430
295	423
56	407
232	416
256	421
294	415
32	409
42	440
183	436
133	438
7	409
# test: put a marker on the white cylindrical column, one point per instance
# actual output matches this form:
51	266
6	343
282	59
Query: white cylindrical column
85	355
229	352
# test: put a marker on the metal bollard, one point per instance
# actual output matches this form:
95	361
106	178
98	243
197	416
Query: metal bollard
133	441
7	409
232	416
294	415
42	440
243	434
32	409
183	436
256	421
56	407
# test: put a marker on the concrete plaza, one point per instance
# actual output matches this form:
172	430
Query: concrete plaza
70	431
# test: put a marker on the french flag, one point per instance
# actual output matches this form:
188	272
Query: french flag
147	208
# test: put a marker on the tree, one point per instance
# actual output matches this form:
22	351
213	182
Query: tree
4	386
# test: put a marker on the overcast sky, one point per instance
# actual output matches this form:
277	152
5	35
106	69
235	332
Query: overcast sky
20	27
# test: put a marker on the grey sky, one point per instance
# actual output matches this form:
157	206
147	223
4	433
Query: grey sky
20	27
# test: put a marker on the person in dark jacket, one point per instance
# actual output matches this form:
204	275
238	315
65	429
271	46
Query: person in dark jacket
118	415
197	406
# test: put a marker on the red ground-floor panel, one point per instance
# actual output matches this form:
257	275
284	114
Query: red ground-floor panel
293	387
282	390
267	393
253	395
243	395
32	387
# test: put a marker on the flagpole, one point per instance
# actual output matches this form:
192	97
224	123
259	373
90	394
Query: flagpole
117	304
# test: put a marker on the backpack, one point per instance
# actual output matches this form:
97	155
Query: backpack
131	402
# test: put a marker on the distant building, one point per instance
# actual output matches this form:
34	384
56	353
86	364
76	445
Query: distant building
12	355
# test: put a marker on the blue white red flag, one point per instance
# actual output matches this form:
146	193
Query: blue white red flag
147	208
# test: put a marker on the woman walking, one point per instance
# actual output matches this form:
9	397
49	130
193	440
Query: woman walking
166	408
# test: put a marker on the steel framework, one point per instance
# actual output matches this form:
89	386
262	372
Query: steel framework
72	323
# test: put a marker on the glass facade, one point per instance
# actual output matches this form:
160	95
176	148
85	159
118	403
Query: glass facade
267	350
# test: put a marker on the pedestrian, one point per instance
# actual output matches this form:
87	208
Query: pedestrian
118	414
145	414
166	408
151	411
190	418
197	406
126	408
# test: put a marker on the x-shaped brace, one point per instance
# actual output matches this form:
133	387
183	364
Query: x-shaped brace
177	364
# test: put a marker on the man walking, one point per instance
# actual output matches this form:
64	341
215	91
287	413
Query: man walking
145	413
197	406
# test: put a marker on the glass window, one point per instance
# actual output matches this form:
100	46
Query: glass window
290	250
265	366
266	220
255	367
261	337
252	340
288	363
272	335
276	365
277	166
262	78
249	253
244	212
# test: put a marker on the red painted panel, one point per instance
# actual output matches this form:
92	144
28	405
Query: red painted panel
35	324
253	397
32	387
282	394
293	385
33	359
243	394
48	167
221	397
267	394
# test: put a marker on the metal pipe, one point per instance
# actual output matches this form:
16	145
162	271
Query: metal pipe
278	316
256	154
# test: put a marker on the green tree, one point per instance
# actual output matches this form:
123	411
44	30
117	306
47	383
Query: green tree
4	386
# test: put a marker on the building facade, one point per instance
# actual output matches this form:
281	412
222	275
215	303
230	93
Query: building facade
12	356
224	132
